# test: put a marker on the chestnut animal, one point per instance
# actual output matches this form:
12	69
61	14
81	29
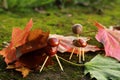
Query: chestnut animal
51	48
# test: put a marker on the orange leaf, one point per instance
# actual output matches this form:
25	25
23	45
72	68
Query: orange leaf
25	71
19	36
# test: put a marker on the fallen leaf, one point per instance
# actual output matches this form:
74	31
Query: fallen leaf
110	39
18	38
25	71
103	68
36	39
33	60
27	50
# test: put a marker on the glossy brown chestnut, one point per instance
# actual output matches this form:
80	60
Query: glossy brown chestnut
50	51
79	43
53	42
77	29
82	42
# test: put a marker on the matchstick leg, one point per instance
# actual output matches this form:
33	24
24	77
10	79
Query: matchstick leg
59	62
71	54
83	54
44	63
79	55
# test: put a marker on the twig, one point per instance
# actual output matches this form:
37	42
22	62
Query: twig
70	62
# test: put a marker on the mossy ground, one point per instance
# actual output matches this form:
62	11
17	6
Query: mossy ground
57	22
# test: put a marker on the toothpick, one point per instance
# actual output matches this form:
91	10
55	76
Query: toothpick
44	63
83	54
59	62
79	55
77	38
71	53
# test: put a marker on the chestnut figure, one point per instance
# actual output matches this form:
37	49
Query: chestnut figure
77	29
51	50
53	42
80	44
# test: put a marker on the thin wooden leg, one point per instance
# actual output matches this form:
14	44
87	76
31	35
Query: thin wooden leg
83	54
71	54
78	38
79	55
44	63
59	62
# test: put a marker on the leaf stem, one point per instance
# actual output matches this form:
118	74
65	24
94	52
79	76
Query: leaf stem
70	62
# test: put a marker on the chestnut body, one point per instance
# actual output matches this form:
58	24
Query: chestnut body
51	48
79	43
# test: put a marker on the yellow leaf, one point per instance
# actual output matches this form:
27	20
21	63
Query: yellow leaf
25	71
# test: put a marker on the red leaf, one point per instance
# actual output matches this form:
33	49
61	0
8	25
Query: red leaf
110	39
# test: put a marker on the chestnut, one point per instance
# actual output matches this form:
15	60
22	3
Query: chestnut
82	42
53	42
79	43
77	28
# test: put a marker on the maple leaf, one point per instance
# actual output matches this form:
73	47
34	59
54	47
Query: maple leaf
36	39
26	50
110	39
103	68
30	54
18	38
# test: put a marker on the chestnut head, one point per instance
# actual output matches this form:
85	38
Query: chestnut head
53	42
77	28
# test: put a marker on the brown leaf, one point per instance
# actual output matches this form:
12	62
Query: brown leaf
37	39
32	54
33	60
26	50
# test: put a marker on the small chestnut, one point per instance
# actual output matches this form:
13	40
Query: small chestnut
53	42
77	29
82	42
